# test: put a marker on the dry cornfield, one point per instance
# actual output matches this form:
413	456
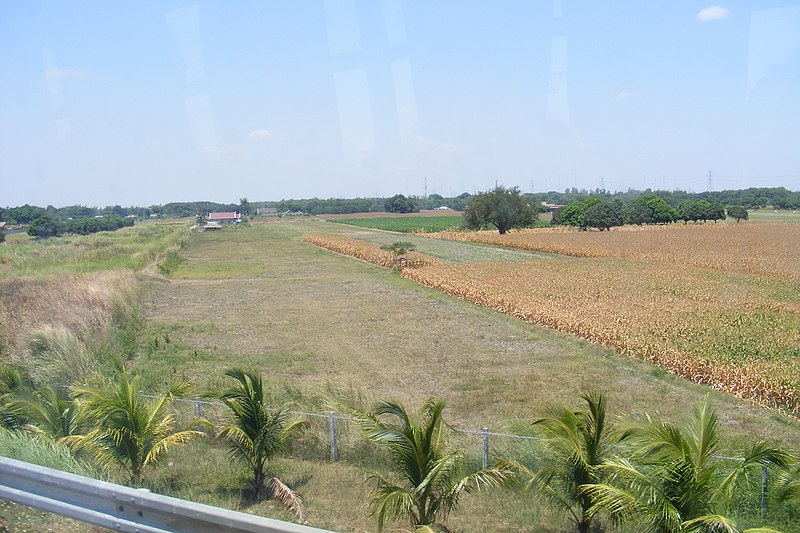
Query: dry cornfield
370	252
763	249
733	332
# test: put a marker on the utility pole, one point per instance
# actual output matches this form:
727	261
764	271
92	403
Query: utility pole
425	180
710	183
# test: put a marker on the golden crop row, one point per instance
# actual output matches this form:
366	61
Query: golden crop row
370	252
681	318
762	249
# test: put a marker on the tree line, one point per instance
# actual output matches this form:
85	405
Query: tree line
752	198
604	214
46	226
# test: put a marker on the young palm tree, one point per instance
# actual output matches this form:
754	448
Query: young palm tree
11	384
426	486
257	433
129	431
676	481
47	411
578	442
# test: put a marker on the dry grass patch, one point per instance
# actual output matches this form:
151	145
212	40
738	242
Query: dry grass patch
82	304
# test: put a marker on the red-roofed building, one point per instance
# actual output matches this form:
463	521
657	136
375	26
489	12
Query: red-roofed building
231	217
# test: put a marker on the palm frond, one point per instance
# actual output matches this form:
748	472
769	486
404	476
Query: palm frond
287	497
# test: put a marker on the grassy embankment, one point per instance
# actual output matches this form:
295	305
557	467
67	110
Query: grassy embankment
70	307
326	330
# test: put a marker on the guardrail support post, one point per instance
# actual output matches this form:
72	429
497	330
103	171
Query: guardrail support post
332	435
764	480
486	447
198	408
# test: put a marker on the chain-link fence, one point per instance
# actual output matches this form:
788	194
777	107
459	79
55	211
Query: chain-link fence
333	437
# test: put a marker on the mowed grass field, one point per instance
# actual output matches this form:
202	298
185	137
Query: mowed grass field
326	329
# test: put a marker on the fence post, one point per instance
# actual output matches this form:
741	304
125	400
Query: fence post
198	408
764	480
332	435
486	447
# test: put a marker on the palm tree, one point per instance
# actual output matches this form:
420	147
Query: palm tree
129	431
11	384
47	411
257	433
577	442
676	481
425	487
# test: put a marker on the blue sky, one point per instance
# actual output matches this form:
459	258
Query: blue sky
129	102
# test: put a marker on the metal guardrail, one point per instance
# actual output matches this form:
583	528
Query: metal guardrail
123	508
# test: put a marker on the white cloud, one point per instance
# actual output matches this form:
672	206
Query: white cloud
623	95
64	73
259	134
712	13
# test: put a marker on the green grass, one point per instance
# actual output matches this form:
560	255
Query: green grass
407	224
131	248
769	215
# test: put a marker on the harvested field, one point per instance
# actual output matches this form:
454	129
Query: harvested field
763	249
734	333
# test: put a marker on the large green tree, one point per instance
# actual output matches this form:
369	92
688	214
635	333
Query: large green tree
674	480
500	207
575	444
258	433
738	212
427	481
129	431
400	204
603	216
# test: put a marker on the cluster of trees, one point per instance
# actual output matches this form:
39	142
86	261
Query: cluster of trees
752	198
647	474
646	209
46	226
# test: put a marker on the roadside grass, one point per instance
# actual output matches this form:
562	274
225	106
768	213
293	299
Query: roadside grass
131	248
71	304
